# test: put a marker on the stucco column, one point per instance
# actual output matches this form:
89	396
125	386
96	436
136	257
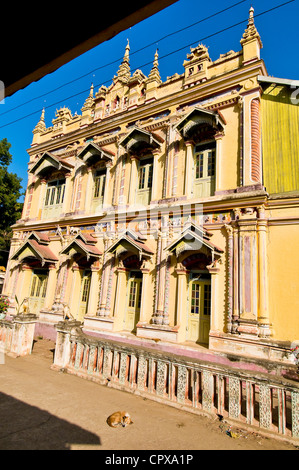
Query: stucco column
120	298
94	282
107	185
236	311
42	193
214	321
67	194
23	288
133	180
159	314
181	315
144	303
75	291
106	268
218	163
155	182
189	169
263	310
52	276
89	189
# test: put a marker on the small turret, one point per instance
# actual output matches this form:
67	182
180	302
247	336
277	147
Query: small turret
251	40
124	71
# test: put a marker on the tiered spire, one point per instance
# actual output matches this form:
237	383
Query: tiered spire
154	73
89	102
41	125
251	31
124	71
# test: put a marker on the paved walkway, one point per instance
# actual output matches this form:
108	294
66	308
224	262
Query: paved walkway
44	409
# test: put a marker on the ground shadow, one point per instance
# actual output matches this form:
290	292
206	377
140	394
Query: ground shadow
26	427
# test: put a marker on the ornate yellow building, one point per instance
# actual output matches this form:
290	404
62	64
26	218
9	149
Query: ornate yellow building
154	215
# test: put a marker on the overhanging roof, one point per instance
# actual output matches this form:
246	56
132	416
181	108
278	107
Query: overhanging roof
48	163
83	245
138	139
37	41
35	247
92	153
193	238
196	117
277	81
129	242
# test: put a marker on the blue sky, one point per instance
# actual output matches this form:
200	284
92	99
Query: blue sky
278	30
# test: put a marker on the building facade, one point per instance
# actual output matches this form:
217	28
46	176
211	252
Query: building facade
166	212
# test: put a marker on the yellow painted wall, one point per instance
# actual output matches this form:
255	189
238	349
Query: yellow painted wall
283	262
280	137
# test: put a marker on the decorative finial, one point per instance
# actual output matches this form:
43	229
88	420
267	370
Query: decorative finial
154	73
91	91
251	31
124	72
40	126
127	53
156	58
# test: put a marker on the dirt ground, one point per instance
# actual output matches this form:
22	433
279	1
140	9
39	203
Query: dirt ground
42	409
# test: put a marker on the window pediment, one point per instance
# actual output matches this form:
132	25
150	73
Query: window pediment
92	154
139	140
82	245
35	248
198	118
193	238
130	243
48	164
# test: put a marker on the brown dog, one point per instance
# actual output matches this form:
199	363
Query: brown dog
119	418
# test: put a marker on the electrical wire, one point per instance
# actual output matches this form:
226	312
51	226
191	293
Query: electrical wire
148	63
116	61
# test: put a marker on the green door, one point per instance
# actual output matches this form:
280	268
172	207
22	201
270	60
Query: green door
145	179
204	181
38	291
199	313
84	295
133	302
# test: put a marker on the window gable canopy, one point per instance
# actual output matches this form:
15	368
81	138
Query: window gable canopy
130	243
83	245
92	154
35	247
48	163
138	140
197	118
193	238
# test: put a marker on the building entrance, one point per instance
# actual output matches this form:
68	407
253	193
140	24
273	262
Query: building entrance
199	309
133	301
38	291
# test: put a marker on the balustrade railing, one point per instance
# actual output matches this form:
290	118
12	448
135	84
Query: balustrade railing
262	401
16	334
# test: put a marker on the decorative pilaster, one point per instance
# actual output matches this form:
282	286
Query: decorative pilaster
67	193
144	294
133	180
182	275
89	188
155	184
263	310
218	164
119	305
189	169
91	309
230	278
51	286
107	185
159	318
